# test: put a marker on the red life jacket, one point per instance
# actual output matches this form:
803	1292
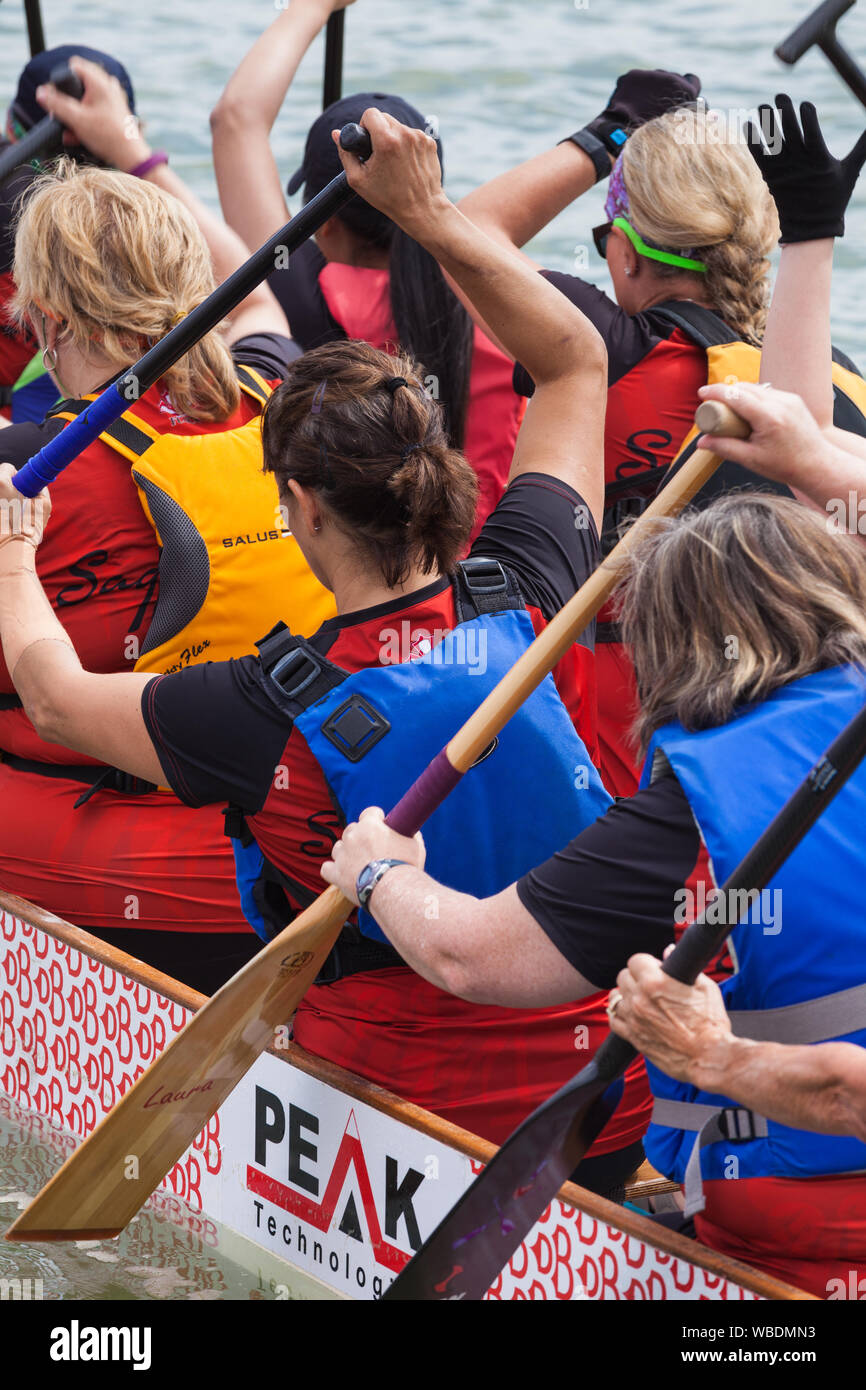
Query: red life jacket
650	426
358	298
17	346
99	564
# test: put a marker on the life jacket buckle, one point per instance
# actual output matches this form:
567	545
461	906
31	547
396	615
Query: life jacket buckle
355	727
737	1125
295	671
484	576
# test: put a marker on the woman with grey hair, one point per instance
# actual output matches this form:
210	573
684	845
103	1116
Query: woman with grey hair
749	637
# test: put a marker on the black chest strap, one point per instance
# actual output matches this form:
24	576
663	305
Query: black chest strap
297	675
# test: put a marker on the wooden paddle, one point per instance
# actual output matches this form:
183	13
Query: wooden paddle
477	1238
44	467
98	1190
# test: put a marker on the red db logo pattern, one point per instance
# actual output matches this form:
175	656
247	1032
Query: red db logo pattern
75	1035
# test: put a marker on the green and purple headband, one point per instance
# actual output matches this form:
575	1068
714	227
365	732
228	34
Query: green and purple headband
617	212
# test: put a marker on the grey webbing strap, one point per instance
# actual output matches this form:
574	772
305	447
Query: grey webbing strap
816	1020
705	1122
661	765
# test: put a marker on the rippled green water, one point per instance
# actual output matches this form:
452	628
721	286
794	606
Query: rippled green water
506	78
166	1253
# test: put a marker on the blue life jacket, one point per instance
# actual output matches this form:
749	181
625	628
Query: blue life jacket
800	951
32	395
33	401
374	731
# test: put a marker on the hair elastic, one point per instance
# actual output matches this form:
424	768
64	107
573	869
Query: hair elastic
394	383
410	449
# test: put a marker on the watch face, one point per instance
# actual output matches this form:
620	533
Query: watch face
365	882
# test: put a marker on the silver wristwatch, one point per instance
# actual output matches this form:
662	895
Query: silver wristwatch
372	874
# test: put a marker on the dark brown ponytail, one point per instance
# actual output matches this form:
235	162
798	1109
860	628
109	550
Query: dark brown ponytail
379	458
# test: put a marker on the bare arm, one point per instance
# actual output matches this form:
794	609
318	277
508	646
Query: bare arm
250	187
796	354
102	121
686	1032
99	715
563	429
514	207
488	950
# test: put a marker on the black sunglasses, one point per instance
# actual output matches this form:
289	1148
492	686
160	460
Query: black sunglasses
600	236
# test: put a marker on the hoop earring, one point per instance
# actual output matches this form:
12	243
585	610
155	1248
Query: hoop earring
52	365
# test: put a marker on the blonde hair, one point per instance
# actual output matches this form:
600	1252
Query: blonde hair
118	262
693	185
722	607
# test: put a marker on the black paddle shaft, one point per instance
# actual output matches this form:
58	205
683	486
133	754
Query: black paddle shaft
35	29
273	255
47	134
333	83
477	1238
820	28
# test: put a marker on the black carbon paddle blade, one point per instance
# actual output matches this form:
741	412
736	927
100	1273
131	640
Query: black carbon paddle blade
477	1238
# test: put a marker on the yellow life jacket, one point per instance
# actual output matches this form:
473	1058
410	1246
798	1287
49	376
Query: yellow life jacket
730	360
228	570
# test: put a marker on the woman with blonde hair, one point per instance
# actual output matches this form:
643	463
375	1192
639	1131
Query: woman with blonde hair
689	230
167	546
746	622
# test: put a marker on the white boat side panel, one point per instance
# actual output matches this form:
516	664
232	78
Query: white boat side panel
316	1177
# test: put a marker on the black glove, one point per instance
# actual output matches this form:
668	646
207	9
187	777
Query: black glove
811	188
639	96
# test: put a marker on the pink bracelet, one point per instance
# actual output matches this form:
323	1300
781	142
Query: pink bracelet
158	157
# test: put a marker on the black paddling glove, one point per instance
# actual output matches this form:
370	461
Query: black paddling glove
811	188
639	96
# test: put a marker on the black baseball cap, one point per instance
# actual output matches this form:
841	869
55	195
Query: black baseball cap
321	161
26	109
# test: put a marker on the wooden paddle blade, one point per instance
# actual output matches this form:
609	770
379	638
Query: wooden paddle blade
92	1195
479	1235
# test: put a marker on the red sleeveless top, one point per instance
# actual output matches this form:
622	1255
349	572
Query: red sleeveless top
359	299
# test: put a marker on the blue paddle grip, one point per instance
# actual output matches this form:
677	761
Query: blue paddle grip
53	457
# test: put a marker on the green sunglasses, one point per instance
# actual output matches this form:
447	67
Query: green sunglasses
601	234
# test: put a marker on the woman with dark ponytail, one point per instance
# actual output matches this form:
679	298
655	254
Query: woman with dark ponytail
362	277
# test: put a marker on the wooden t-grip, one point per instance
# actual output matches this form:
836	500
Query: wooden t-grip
712	417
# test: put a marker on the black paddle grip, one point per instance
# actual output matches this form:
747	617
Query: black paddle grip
816	27
67	81
355	140
47	135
